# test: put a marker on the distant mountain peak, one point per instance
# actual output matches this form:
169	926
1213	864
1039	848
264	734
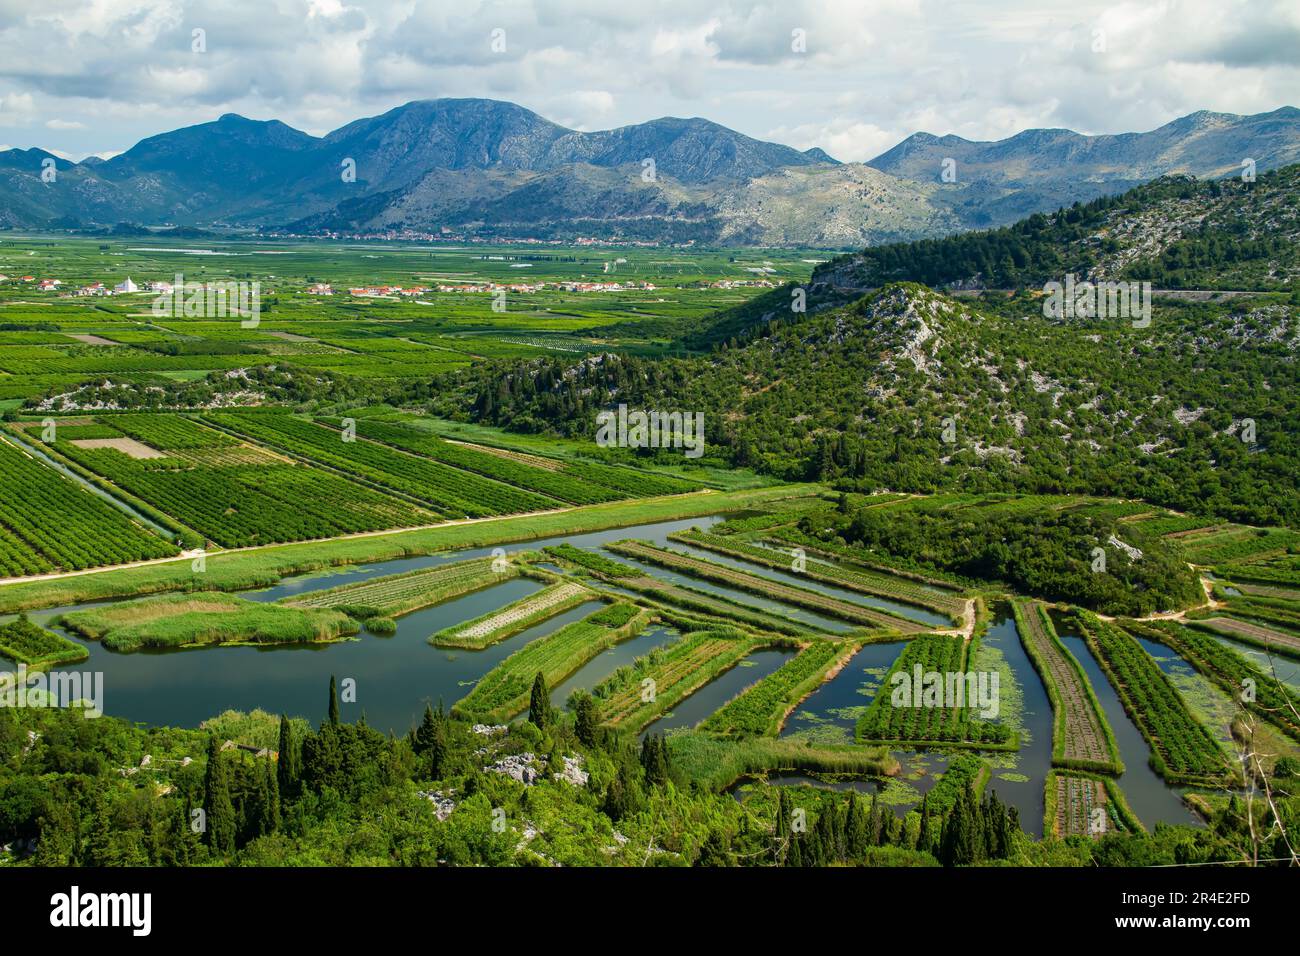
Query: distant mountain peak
820	155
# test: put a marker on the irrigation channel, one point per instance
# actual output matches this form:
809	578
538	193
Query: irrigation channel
397	675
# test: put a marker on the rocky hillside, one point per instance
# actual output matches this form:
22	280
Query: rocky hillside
1177	232
913	390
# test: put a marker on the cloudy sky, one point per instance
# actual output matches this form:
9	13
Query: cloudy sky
851	76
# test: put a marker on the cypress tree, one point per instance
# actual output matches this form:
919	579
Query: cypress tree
586	720
439	748
715	851
539	703
795	856
288	766
334	703
960	838
855	829
923	835
654	760
217	806
782	827
269	815
624	795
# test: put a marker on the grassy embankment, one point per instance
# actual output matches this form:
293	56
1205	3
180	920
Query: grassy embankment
716	764
187	620
635	696
396	594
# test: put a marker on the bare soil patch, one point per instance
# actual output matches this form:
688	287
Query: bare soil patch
127	446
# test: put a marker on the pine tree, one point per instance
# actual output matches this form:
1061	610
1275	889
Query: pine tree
424	734
439	748
623	797
795	855
539	703
101	845
57	844
715	851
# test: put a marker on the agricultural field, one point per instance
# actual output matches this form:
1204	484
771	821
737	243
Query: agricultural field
725	611
874	562
1081	736
573	482
761	708
1182	750
925	714
48	523
676	671
659	591
23	642
593	562
1269	698
1085	805
53	340
1267	638
443	490
240	502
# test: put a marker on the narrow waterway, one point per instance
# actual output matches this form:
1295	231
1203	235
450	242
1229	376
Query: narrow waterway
721	689
830	713
607	662
745	598
803	581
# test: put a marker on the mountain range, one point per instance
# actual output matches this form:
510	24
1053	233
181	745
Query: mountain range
494	170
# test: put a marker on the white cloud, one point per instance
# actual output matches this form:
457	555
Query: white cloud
844	138
97	74
17	109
